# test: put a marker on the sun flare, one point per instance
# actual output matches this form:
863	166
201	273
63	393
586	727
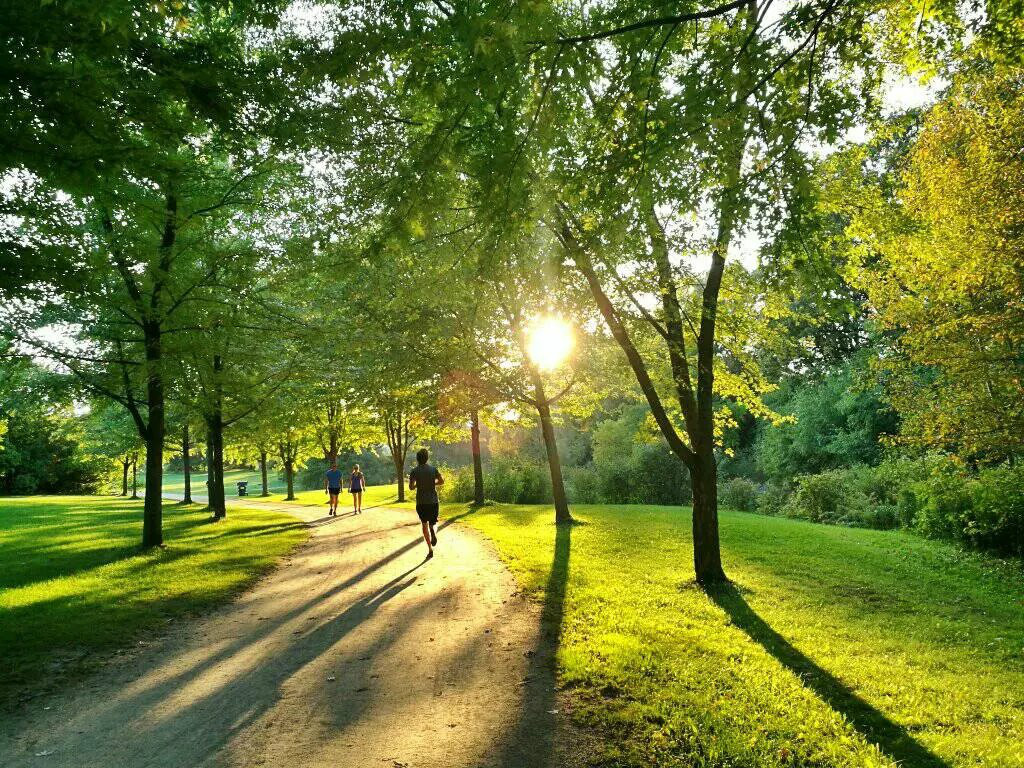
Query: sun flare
549	342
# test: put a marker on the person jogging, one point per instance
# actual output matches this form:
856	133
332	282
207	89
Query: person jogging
424	479
356	484
332	485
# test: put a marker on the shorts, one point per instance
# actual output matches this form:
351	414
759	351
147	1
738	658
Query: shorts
355	490
427	512
334	491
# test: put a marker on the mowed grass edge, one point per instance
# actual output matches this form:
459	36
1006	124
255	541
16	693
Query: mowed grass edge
833	646
75	585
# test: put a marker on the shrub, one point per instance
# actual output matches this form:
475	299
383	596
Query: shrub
996	521
739	493
829	497
514	483
983	510
583	485
657	476
772	500
458	484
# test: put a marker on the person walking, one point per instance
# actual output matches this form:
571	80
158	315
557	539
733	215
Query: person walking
356	484
424	479
332	485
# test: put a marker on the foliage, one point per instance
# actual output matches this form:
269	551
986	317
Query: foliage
941	264
984	510
739	493
42	448
838	421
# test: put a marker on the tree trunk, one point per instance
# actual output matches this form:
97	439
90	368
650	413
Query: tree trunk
152	513
135	477
125	463
551	448
289	476
263	473
478	466
215	425
399	462
209	464
186	464
707	555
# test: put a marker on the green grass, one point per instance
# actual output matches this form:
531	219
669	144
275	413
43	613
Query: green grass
835	647
174	482
74	583
373	496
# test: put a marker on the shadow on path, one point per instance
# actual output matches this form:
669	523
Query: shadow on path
531	741
893	739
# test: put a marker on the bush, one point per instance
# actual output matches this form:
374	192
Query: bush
984	510
583	485
458	484
510	482
772	500
739	493
657	476
829	497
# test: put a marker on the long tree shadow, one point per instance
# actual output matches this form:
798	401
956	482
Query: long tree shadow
892	738
531	741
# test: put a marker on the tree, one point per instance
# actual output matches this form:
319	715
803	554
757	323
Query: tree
110	433
41	445
941	262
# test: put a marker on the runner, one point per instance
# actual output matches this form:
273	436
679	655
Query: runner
424	479
332	485
356	483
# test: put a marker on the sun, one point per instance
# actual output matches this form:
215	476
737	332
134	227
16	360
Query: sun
549	341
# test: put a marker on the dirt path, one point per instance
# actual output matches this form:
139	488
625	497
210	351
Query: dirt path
355	652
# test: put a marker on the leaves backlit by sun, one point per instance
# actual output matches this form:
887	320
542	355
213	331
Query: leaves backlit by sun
549	342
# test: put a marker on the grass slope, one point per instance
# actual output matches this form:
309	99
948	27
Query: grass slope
174	482
373	496
834	647
75	583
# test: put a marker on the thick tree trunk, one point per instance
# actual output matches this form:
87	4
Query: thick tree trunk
215	425
478	466
152	514
186	464
551	448
707	555
289	476
263	474
125	463
209	466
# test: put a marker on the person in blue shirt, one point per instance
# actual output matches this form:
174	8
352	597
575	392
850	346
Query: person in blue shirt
356	484
332	485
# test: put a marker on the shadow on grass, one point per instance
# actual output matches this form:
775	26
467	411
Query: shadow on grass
893	739
531	741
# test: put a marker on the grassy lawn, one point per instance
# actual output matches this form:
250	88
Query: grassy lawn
373	496
832	640
74	582
174	482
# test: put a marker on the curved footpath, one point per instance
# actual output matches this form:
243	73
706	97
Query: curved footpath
354	652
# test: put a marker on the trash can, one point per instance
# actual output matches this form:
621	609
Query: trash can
242	485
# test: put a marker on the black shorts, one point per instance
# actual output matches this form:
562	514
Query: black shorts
427	512
334	491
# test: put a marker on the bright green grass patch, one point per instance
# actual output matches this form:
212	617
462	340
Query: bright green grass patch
836	646
373	496
174	482
74	581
